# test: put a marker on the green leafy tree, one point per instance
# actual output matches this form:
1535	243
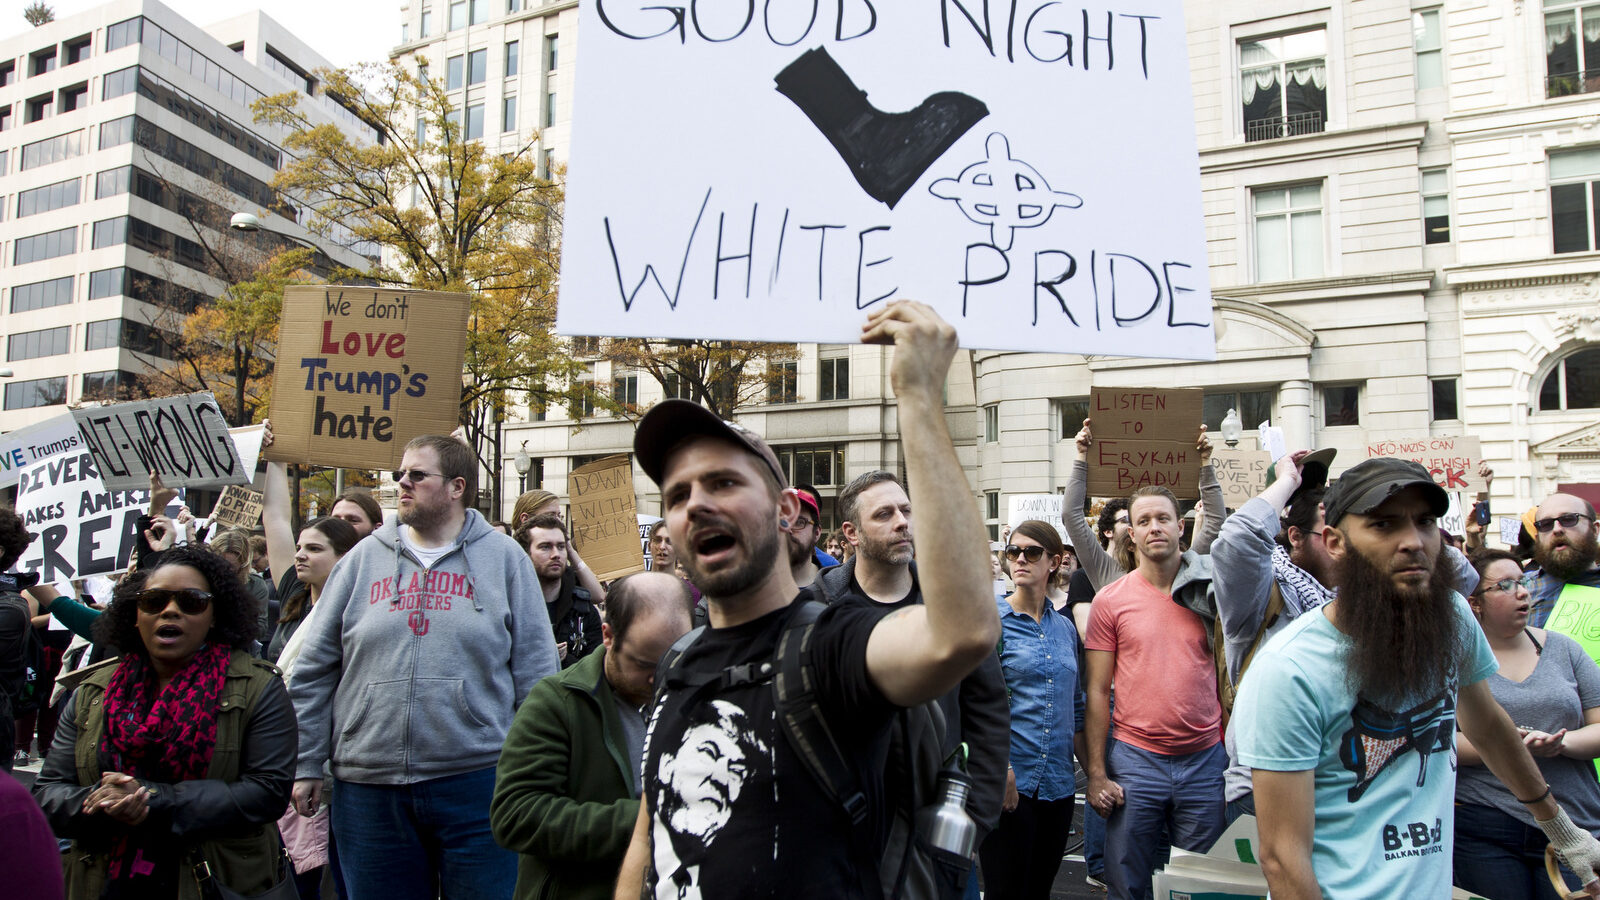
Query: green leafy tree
38	13
723	376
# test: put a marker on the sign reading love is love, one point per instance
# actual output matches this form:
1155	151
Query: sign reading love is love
1029	169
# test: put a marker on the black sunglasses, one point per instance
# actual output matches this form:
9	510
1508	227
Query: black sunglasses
416	475
1570	520
192	601
1031	554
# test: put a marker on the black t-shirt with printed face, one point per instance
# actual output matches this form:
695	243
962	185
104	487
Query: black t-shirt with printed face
735	812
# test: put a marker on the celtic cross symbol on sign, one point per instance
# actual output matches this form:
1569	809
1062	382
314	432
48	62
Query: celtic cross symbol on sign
1003	193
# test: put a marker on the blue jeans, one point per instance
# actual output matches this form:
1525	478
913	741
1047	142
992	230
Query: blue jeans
421	841
1181	793
1244	806
1499	856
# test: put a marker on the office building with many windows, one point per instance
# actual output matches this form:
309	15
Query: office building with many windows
126	144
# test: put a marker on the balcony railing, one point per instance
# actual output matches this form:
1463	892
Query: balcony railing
1274	127
1569	83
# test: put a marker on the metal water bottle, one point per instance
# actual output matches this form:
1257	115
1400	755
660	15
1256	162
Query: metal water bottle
945	824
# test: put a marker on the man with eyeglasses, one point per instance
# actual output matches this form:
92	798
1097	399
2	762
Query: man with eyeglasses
1567	549
425	639
805	560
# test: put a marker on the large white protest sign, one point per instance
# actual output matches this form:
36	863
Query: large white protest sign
1029	169
80	527
184	437
1044	507
28	445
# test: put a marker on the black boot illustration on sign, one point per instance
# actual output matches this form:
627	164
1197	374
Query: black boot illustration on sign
886	152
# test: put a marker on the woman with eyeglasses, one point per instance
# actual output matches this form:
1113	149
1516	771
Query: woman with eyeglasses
1039	656
173	765
1551	689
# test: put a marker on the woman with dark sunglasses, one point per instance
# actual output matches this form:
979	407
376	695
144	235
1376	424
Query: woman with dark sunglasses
1039	656
1551	689
172	766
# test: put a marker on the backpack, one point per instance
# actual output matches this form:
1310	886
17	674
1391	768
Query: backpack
31	697
1228	688
909	868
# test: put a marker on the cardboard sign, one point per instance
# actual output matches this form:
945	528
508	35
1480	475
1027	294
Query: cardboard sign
29	445
1243	473
238	507
361	372
1453	461
604	517
1145	437
1044	507
1032	174
81	528
184	437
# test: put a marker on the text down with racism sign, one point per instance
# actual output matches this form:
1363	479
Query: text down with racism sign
1452	461
80	527
183	437
1144	437
604	517
362	372
1032	173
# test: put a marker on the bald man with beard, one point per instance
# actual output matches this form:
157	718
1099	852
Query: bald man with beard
1567	549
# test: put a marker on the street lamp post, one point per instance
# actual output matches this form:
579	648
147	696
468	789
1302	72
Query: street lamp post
1232	429
524	464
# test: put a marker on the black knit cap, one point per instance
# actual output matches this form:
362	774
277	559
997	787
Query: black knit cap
1365	486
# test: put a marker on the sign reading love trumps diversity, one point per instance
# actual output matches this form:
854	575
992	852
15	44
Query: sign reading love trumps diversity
1028	168
80	526
361	372
1145	437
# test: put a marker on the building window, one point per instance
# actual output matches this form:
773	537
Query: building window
991	512
991	423
1072	412
49	197
38	107
38	392
1446	405
1429	43
1574	383
42	61
584	345
458	14
1571	48
1254	407
41	294
480	11
833	378
1288	230
1436	206
50	245
102	334
513	6
625	391
586	392
551	43
676	387
547	158
477	66
112	384
1341	405
5	118
513	57
550	109
1575	199
8	73
783	382
508	114
819	466
73	97
78	49
35	344
1283	85
127	32
475	122
454	73
427	23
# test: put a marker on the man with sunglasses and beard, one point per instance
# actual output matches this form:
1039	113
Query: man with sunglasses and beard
1348	718
1567	549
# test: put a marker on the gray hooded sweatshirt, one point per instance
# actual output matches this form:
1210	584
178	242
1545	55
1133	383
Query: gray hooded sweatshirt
414	674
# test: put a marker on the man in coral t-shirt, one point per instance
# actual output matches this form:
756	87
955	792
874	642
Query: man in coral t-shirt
1163	769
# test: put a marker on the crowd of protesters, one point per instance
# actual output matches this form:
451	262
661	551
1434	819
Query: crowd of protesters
380	706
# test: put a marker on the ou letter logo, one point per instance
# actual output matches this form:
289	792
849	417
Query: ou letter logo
418	620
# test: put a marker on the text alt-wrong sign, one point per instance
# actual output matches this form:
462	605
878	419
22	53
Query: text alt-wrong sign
183	437
360	372
1028	168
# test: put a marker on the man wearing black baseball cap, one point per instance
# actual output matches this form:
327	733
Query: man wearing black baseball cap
1348	718
729	808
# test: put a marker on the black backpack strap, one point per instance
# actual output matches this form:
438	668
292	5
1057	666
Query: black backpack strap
803	722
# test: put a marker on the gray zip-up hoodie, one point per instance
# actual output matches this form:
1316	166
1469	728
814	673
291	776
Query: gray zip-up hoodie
413	674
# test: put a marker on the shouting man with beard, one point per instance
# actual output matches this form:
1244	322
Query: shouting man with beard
1348	718
1567	549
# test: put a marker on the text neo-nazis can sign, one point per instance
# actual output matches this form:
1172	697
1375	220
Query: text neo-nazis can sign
361	372
1453	461
1145	437
604	517
1028	169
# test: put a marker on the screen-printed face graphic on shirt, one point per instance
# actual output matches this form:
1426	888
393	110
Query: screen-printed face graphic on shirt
703	779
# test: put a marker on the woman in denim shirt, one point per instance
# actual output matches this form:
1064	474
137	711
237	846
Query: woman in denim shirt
1039	654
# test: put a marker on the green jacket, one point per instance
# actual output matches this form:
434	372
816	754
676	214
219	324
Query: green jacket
235	810
565	796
